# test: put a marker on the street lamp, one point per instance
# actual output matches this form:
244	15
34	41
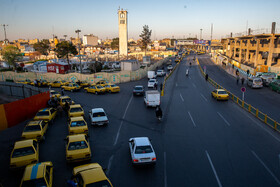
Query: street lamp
78	31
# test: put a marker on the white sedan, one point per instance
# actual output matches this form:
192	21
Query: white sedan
152	82
141	151
98	116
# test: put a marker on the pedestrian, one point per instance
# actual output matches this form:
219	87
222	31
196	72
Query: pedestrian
66	106
242	80
237	80
237	72
59	110
155	86
71	182
160	86
62	91
206	77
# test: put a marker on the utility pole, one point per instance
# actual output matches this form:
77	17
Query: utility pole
4	26
78	31
211	37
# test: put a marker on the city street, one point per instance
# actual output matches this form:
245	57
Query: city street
200	141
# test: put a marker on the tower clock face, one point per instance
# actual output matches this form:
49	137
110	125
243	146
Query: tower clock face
122	15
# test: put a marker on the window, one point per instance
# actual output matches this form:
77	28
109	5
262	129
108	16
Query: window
23	152
77	124
122	21
76	110
77	145
32	128
43	113
143	149
98	114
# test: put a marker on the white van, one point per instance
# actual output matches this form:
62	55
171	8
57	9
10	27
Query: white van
152	98
255	82
151	74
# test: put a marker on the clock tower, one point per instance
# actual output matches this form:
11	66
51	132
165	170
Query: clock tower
122	32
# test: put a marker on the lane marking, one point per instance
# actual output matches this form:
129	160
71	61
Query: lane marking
119	130
223	118
192	119
194	85
213	169
279	159
165	174
269	171
176	84
109	164
203	97
182	97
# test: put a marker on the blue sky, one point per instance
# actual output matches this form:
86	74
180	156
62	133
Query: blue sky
179	18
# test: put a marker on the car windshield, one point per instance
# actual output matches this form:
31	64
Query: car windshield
76	109
75	85
43	113
99	86
98	114
67	99
103	183
54	93
34	183
222	92
138	88
31	128
152	81
23	152
143	149
113	85
257	80
77	124
77	145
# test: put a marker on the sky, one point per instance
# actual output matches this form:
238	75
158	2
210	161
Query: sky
29	19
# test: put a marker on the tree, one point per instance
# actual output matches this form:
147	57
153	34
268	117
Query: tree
115	44
146	37
64	49
42	47
11	54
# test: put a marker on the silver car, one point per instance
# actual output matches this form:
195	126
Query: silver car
98	116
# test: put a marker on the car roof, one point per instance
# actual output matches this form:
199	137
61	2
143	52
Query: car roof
76	137
139	86
140	141
76	106
79	118
152	80
64	97
220	89
97	110
91	173
23	143
35	171
44	109
34	122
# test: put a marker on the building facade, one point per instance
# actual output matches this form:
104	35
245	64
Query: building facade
123	35
90	40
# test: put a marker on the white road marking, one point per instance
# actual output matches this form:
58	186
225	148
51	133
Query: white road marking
165	174
182	97
109	164
119	130
204	97
176	84
223	118
269	171
213	168
194	85
192	119
279	159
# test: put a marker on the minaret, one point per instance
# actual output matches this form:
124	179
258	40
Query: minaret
122	32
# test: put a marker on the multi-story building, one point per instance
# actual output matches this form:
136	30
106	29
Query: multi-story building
33	41
90	40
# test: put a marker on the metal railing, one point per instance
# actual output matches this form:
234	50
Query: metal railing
248	107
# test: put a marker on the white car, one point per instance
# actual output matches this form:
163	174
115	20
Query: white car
170	67
98	116
152	82
160	72
141	151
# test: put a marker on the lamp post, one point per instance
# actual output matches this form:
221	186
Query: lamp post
78	31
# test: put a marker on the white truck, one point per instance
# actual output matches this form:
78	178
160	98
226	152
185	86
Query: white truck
151	74
152	98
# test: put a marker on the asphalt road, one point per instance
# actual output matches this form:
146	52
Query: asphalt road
200	142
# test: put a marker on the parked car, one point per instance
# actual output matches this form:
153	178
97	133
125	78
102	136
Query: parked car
71	87
255	82
24	152
75	111
267	79
102	83
220	94
112	88
55	93
77	125
152	82
275	85
151	75
97	89
35	130
138	90
40	174
160	73
98	116
170	67
141	151
46	114
152	98
90	175
64	99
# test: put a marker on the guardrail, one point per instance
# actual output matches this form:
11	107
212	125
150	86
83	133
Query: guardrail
249	108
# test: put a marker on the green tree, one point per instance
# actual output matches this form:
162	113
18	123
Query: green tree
115	44
146	37
64	49
42	47
11	54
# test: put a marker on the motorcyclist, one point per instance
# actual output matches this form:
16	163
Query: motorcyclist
158	112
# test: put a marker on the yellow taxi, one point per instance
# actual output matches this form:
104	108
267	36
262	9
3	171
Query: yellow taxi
97	89
71	87
35	130
40	174
40	83
84	83
26	81
102	83
77	125
54	93
57	84
75	110
77	148
64	99
220	94
46	114
24	152
112	88
90	175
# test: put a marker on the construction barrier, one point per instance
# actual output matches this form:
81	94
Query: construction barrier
15	112
256	112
